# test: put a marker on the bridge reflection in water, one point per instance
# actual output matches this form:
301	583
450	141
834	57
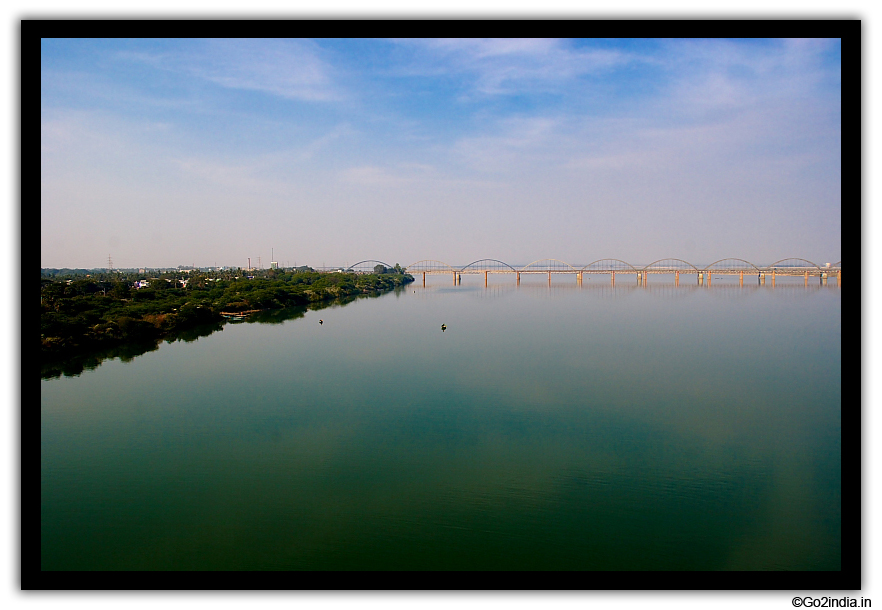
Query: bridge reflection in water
789	267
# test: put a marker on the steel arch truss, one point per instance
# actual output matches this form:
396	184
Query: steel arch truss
548	265
793	266
488	265
671	265
732	266
367	266
609	265
429	266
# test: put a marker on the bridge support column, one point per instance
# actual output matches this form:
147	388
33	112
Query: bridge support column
676	278
485	278
806	279
709	274
454	278
839	279
741	279
612	278
700	278
639	278
773	279
579	278
518	274
762	279
424	279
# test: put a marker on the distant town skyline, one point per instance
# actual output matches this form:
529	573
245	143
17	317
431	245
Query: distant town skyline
163	153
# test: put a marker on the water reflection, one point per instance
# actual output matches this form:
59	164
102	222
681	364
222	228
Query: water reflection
89	359
75	364
626	427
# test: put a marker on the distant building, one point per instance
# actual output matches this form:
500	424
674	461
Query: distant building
274	265
142	284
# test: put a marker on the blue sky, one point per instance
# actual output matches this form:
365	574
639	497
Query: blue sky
175	152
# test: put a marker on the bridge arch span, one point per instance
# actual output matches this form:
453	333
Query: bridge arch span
739	265
488	264
794	262
429	266
606	265
548	265
670	265
366	266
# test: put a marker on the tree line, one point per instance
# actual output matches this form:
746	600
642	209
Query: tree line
104	310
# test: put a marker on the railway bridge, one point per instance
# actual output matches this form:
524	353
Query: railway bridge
612	267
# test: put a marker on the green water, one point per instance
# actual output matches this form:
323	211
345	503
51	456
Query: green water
561	427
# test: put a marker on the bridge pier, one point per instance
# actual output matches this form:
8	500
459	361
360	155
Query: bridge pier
761	278
612	278
741	279
839	279
639	278
424	279
579	278
773	279
709	274
518	274
485	278
676	278
700	278
806	279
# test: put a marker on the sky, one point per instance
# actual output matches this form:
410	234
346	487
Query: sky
159	153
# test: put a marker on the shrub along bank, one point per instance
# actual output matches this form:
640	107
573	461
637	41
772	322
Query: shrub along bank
84	314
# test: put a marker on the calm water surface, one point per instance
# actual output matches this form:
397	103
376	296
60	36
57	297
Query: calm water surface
550	427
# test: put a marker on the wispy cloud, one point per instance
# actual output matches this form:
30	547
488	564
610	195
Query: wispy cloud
510	144
291	69
510	66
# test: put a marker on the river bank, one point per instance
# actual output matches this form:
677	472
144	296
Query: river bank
83	323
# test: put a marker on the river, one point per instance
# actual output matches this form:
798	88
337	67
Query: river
556	426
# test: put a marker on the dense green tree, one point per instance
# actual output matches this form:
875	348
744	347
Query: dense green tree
121	290
79	314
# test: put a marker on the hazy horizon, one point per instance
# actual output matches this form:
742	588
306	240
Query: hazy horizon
163	153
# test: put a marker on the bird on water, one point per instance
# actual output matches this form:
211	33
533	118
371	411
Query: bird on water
321	321
443	327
